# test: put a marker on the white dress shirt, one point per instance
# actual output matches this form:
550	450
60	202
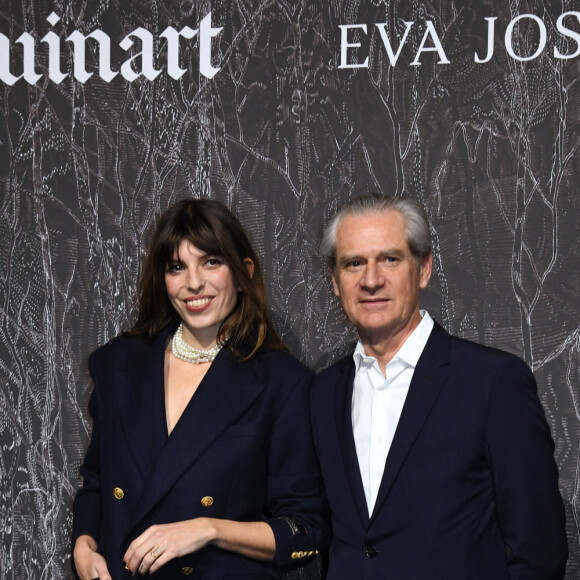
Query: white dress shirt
377	403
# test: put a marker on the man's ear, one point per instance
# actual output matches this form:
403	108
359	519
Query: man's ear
425	271
249	263
335	286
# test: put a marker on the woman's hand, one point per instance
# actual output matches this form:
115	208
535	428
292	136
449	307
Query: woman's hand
161	543
88	562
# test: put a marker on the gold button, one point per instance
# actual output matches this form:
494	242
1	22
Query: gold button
207	501
118	493
187	570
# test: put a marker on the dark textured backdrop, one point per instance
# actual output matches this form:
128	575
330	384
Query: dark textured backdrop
283	136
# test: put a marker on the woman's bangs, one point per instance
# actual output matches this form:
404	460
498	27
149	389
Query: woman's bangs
200	235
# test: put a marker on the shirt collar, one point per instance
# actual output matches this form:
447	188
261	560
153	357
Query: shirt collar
412	348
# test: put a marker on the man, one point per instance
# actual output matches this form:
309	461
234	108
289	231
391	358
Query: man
435	452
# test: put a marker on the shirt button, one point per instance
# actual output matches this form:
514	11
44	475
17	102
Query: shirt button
118	493
371	551
207	501
187	570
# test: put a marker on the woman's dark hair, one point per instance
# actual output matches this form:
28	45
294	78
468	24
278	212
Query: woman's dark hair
212	228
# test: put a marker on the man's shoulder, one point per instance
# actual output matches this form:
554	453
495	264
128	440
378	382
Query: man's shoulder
466	352
479	349
334	381
333	377
337	368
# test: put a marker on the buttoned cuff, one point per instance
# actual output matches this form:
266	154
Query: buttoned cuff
293	543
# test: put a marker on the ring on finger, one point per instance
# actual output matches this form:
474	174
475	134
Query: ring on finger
153	552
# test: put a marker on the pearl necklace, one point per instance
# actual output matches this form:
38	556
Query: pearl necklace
188	353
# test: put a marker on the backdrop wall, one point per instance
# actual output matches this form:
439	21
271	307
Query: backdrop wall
289	110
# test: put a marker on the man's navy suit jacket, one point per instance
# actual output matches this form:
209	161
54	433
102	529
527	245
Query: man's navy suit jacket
470	486
242	450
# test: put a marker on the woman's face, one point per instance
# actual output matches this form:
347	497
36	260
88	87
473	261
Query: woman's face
202	290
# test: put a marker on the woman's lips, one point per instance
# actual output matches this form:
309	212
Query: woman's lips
197	304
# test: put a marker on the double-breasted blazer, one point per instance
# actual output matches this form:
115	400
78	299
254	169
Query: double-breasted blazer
242	450
470	486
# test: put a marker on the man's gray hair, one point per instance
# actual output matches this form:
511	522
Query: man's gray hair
417	232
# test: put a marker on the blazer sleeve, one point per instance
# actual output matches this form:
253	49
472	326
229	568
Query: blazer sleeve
299	516
520	451
87	504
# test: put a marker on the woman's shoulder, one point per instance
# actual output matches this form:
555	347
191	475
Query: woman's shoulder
282	364
125	347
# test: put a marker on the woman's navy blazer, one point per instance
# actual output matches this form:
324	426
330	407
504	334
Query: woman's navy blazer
242	450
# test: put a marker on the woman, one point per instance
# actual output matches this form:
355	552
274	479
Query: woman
201	460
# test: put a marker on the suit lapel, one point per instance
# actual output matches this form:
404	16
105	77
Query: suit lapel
223	395
343	415
429	377
141	401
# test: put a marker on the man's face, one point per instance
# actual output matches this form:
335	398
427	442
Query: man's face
376	276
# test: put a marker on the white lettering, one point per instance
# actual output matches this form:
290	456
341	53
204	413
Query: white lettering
140	64
490	34
172	36
146	56
29	74
509	37
437	47
53	41
345	45
79	60
206	33
569	33
387	43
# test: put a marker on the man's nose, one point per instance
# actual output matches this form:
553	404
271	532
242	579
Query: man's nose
373	276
